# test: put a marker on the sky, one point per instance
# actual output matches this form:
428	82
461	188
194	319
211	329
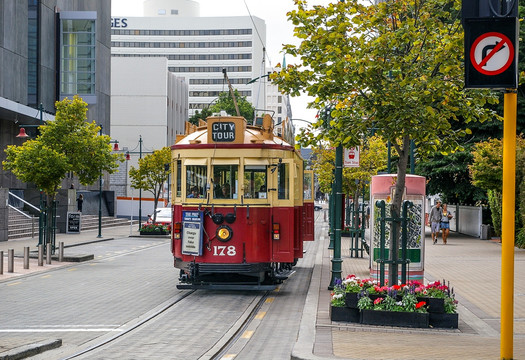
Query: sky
278	31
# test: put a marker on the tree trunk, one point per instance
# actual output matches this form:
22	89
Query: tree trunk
395	232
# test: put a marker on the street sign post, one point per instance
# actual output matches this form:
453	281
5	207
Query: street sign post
491	61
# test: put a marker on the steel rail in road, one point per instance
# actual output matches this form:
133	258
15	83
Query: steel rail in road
152	315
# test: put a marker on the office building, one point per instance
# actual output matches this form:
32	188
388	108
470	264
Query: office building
196	48
50	50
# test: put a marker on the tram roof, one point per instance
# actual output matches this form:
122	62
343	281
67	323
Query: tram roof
231	130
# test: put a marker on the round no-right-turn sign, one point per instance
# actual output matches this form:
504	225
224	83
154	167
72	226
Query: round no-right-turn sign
492	53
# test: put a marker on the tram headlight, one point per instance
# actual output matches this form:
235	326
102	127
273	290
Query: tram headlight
224	233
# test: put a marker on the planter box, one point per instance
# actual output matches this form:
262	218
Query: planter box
153	233
351	300
434	305
395	318
449	321
344	314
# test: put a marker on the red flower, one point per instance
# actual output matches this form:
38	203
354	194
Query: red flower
377	301
420	304
396	287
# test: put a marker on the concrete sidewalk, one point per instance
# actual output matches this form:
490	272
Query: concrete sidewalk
472	267
69	240
16	347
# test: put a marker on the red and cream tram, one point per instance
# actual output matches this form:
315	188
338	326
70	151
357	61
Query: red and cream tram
242	205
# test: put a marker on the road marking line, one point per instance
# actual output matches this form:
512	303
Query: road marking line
16	283
269	300
57	330
46	276
229	356
260	315
247	334
72	269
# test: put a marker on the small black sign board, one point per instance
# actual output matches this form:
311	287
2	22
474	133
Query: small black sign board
223	132
73	222
491	53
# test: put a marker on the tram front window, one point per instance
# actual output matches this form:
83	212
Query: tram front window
196	176
225	179
255	181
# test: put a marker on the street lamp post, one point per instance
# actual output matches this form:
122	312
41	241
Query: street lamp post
128	157
115	148
100	205
140	189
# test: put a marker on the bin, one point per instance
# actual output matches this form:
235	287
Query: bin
485	232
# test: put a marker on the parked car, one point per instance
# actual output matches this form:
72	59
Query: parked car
163	217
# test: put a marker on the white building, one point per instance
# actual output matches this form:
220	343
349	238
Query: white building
196	48
278	105
149	106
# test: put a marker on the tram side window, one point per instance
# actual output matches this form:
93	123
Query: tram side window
283	181
225	181
255	182
196	176
179	178
307	188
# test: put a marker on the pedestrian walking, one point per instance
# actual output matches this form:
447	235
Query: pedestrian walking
435	221
80	200
445	223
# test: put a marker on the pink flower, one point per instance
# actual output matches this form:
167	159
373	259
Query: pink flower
377	301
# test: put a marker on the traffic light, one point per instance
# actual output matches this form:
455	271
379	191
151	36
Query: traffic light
474	9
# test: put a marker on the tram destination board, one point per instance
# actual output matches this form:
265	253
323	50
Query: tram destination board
192	226
223	131
73	222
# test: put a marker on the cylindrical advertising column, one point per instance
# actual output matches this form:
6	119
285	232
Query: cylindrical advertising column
382	188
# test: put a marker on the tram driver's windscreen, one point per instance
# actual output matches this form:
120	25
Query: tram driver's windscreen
225	181
255	181
196	181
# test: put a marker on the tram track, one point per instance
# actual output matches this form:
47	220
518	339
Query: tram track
100	345
128	328
229	340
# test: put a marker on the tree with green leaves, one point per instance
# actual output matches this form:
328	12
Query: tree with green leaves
486	172
394	66
449	175
225	102
66	144
202	115
152	174
372	159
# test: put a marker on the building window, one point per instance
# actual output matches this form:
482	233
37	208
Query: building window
161	12
174	12
77	54
32	53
